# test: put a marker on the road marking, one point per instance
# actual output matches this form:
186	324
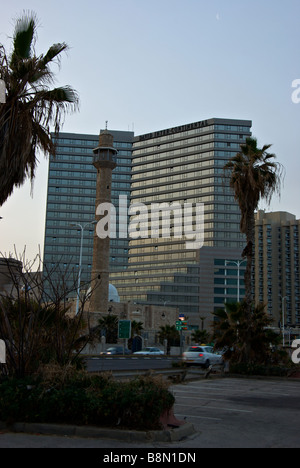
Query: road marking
252	392
207	398
214	408
198	417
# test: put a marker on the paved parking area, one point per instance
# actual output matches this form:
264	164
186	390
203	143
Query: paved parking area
226	412
236	412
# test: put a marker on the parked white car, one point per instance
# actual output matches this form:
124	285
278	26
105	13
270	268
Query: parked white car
202	355
150	352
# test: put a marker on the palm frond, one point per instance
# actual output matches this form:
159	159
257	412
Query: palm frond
54	51
31	107
23	38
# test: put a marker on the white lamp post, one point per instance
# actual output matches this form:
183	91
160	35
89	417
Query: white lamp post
238	264
82	228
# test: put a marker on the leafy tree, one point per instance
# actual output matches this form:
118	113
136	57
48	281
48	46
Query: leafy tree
253	176
31	105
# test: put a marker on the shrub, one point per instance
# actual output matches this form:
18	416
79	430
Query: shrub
82	399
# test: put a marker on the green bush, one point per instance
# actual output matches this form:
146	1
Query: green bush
83	399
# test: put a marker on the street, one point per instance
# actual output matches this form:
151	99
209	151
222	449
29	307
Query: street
226	413
100	364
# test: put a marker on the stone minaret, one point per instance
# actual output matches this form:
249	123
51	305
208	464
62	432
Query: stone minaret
104	161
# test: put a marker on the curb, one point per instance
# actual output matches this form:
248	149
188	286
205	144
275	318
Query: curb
168	435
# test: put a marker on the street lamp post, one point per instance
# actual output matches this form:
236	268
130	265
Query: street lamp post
82	228
238	263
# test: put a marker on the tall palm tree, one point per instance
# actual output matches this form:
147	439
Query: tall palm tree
31	105
254	175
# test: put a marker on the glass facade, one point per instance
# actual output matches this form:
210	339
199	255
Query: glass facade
71	201
182	165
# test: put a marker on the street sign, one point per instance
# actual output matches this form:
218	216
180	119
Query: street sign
181	325
124	329
184	325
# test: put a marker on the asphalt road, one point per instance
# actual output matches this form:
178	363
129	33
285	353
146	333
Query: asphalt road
116	363
226	413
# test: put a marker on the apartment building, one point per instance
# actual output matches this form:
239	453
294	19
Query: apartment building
276	265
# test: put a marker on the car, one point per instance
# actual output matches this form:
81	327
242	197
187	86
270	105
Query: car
203	356
114	350
150	352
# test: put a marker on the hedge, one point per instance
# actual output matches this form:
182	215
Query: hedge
86	400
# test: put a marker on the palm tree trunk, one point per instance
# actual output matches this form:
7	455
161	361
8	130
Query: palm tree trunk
248	253
248	301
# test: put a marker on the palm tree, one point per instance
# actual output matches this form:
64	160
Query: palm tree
200	336
245	340
169	333
136	328
253	176
31	105
109	323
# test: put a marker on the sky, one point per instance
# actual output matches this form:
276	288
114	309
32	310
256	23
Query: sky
151	65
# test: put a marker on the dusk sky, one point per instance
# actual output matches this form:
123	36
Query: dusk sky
151	65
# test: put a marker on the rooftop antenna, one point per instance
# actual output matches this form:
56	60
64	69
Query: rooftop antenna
106	122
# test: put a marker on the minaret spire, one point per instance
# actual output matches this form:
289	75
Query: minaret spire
105	162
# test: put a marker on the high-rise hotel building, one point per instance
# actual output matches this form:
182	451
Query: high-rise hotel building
185	165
